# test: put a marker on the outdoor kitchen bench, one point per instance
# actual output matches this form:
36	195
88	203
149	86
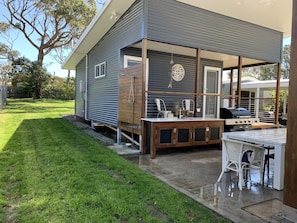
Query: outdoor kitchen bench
161	133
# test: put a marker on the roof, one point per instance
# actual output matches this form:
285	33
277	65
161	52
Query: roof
265	84
268	84
105	18
273	14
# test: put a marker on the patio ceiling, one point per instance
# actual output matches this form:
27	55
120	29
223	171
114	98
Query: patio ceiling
274	14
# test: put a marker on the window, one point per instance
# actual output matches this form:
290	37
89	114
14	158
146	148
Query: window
130	61
100	70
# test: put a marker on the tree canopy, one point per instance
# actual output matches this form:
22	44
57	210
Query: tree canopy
269	72
286	61
49	24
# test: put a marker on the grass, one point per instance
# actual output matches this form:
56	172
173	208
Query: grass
51	171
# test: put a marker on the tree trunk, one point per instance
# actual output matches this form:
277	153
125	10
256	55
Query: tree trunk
37	92
40	57
37	88
68	77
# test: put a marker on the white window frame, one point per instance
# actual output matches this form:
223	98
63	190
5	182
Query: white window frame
219	71
100	70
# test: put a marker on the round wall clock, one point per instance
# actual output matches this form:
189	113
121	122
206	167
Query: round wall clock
177	72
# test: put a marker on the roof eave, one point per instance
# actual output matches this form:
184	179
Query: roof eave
99	26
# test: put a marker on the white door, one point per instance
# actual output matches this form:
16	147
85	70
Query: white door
130	61
211	91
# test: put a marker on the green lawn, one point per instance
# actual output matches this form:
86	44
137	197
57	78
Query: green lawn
51	171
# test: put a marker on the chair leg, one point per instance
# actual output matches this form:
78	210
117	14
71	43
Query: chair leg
221	175
240	178
263	174
268	162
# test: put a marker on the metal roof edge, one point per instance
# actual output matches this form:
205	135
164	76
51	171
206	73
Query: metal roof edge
98	27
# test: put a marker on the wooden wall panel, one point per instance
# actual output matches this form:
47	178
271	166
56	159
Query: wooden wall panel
130	96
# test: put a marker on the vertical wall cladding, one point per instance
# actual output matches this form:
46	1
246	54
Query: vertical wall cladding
79	86
182	24
103	92
159	78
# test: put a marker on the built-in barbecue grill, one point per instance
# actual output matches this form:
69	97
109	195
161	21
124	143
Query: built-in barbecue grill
237	119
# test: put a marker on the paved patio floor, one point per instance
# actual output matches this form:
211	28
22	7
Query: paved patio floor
194	172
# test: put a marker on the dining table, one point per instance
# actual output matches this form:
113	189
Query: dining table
267	138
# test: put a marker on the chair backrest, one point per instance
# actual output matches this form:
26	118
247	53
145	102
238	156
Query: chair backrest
188	104
256	158
235	150
160	104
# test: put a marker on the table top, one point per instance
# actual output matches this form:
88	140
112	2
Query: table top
275	136
264	125
175	119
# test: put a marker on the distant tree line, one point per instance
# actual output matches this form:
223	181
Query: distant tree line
26	77
269	72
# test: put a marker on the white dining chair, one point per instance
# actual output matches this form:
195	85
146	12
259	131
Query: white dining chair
189	105
235	151
161	107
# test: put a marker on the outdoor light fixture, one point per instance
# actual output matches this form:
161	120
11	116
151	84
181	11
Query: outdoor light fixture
114	16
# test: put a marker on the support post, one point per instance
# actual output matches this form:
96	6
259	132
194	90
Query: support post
197	81
119	136
144	66
231	88
239	81
290	189
276	110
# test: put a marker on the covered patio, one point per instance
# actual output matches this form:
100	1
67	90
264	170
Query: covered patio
194	173
199	35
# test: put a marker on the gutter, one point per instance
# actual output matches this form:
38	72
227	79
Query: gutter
86	89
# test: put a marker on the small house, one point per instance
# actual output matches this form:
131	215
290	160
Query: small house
136	51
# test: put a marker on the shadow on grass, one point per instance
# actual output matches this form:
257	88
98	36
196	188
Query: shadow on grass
51	171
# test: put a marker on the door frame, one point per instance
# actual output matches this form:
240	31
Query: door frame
217	93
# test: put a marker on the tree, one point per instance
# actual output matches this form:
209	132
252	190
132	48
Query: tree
286	62
60	88
30	75
7	55
269	72
58	55
49	24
